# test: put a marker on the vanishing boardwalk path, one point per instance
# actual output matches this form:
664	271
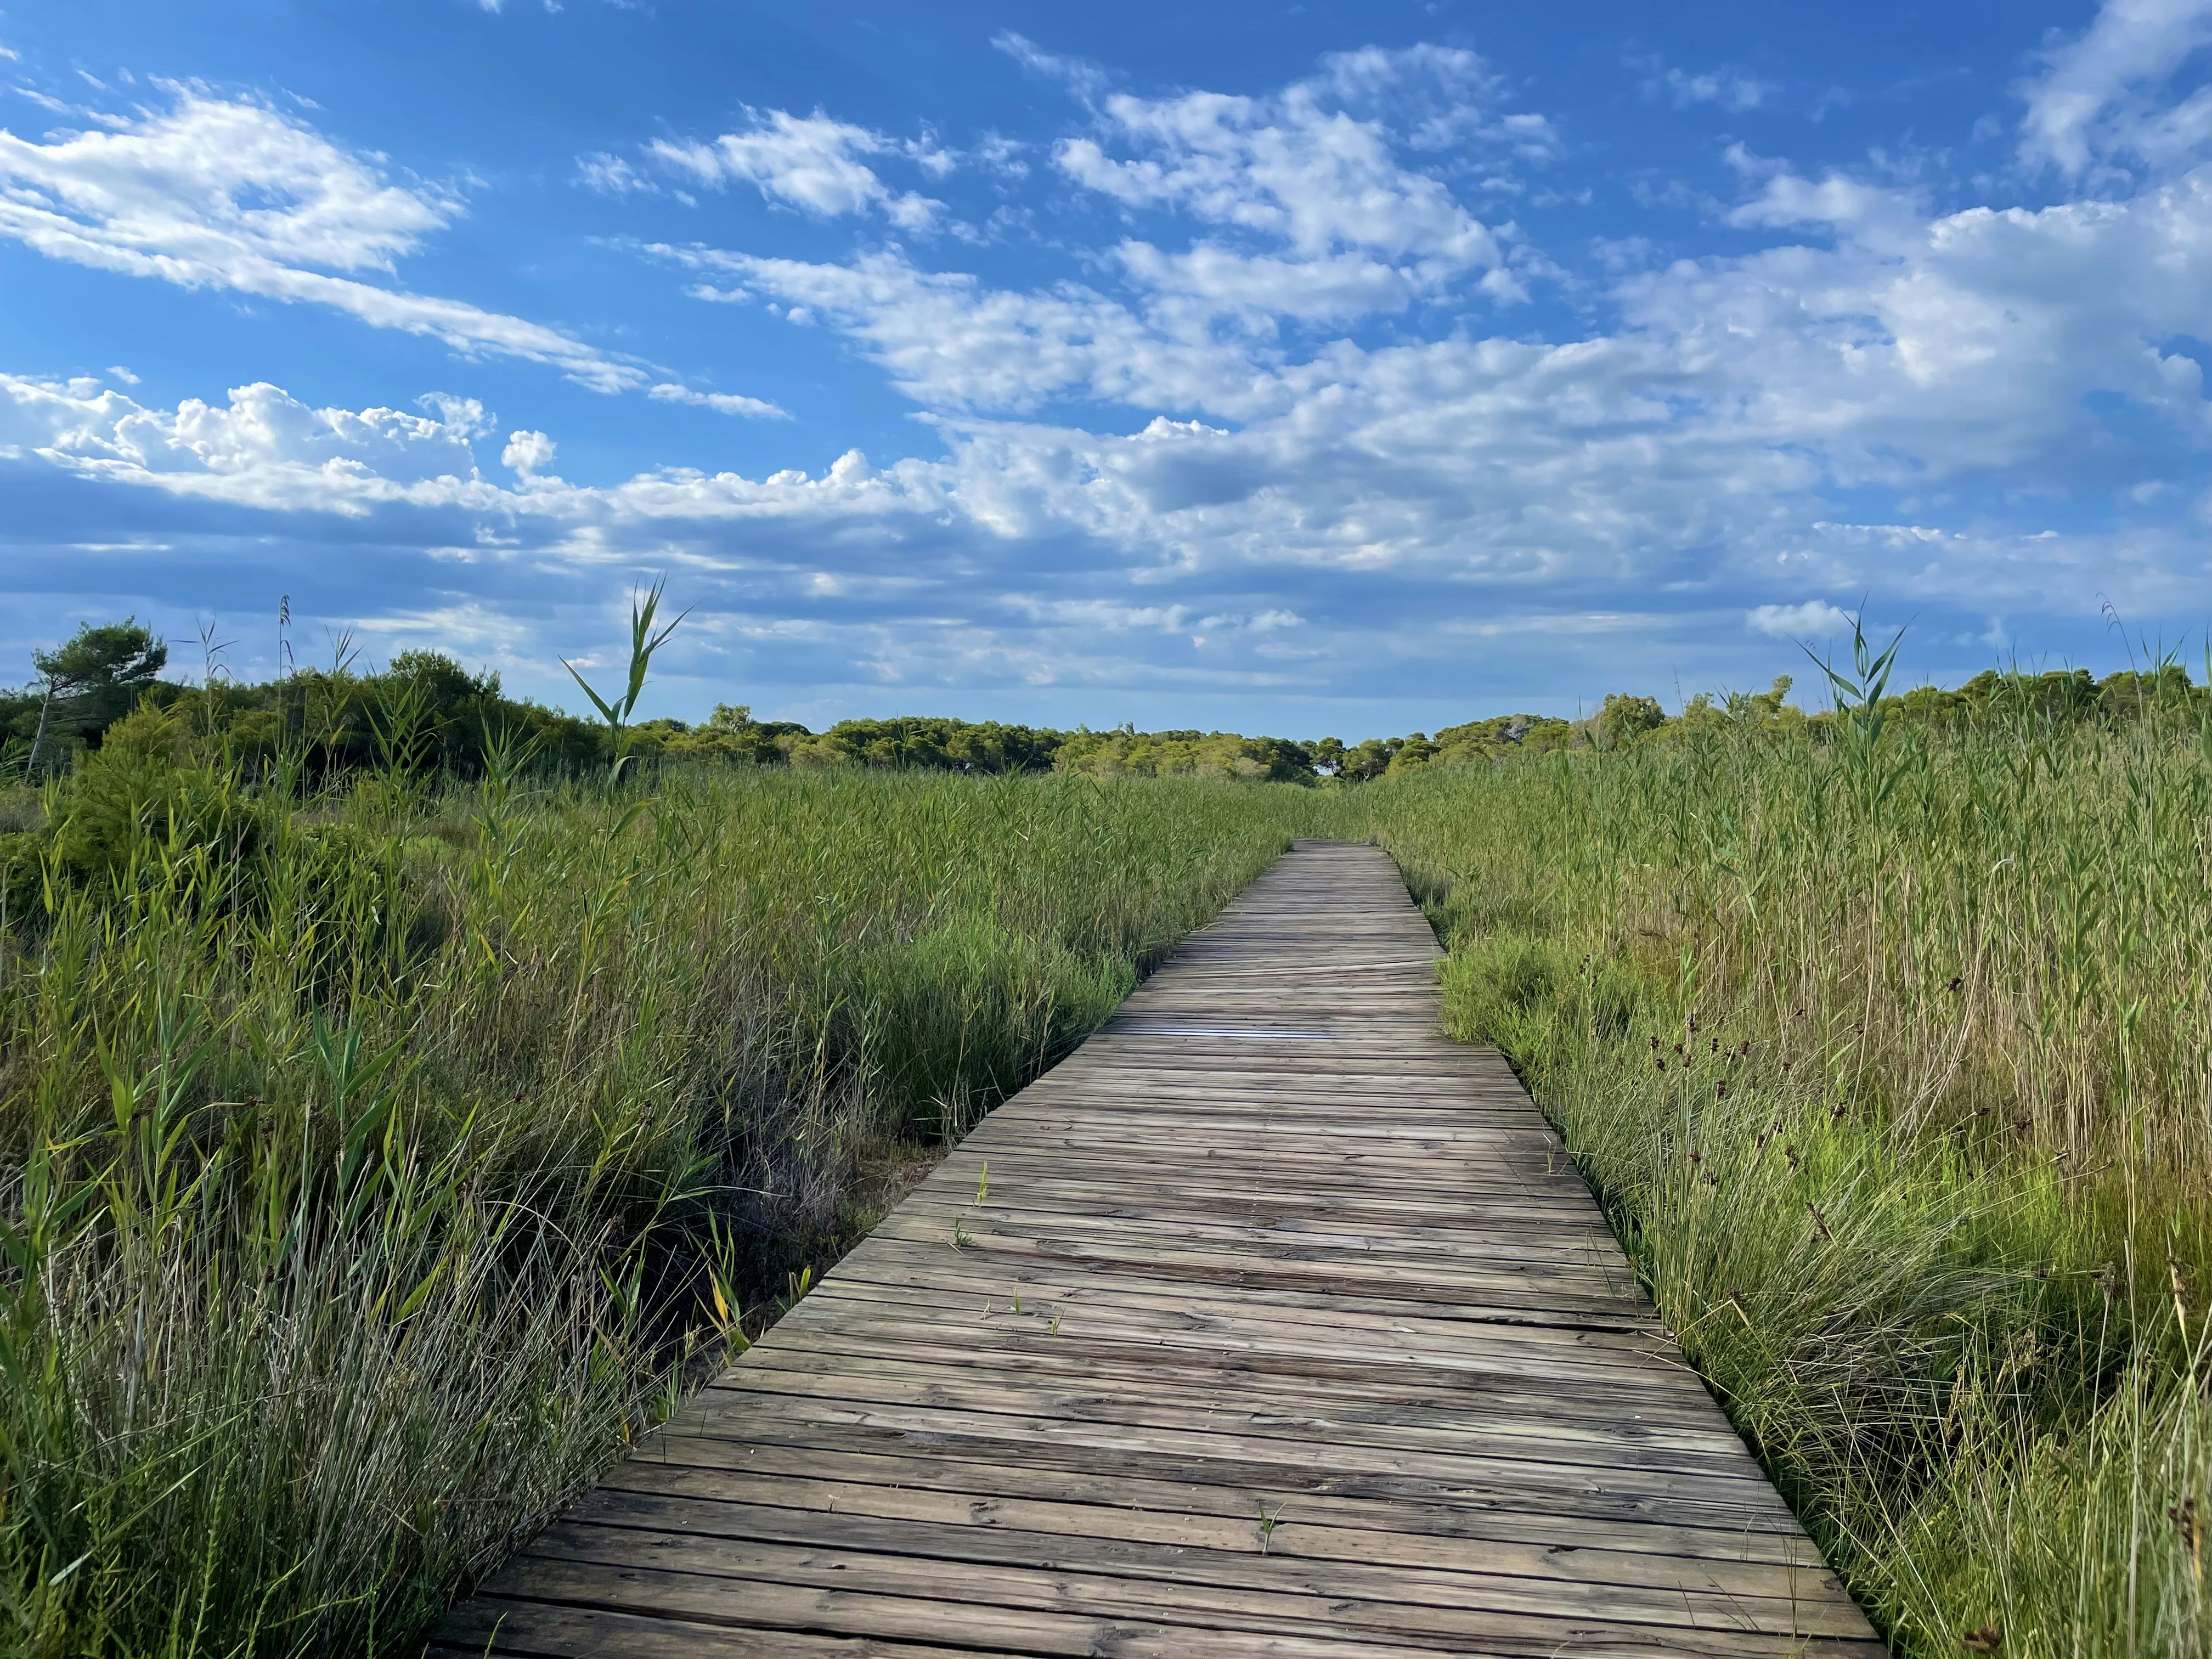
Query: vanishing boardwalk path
1268	1248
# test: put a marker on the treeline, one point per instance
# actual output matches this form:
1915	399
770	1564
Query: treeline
425	712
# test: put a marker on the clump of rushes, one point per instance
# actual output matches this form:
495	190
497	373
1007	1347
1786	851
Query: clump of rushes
375	1163
1890	1056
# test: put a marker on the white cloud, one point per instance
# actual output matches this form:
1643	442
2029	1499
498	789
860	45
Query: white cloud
1920	347
1085	79
1309	212
612	175
2096	94
1336	287
1310	178
1907	349
1351	536
262	447
952	343
233	194
1308	218
1424	493
809	162
726	403
527	454
1790	621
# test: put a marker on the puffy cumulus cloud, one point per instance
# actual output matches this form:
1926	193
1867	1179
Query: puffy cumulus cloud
1307	207
1910	347
810	162
1290	168
265	448
528	454
233	194
261	447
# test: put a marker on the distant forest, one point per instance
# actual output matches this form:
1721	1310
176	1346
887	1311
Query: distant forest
426	711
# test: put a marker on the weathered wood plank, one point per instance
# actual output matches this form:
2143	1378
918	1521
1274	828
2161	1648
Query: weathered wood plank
1270	1323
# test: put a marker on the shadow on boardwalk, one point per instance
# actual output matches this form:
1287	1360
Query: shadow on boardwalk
1269	1323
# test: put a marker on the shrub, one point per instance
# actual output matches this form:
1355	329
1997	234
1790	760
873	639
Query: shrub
132	803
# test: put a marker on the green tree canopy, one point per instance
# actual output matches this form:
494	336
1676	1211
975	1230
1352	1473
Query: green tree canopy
94	679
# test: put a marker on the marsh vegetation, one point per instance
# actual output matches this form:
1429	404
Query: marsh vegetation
380	1161
1891	1056
391	1130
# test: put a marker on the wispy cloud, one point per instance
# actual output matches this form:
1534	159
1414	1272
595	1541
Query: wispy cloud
2096	95
1729	87
810	162
234	194
726	403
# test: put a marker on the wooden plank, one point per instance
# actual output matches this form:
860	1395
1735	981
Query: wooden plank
1379	1501
1270	1323
1482	1580
1171	1520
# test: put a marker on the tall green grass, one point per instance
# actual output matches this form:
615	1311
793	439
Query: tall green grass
1891	1058
375	1163
374	1166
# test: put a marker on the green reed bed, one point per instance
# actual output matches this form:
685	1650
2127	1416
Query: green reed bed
374	1166
1892	1057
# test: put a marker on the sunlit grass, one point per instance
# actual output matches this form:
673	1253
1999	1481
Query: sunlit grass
1893	1058
377	1164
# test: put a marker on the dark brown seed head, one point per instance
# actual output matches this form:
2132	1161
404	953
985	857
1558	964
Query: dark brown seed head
2184	1517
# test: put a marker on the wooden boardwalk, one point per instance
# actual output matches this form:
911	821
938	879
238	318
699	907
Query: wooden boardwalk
1270	1323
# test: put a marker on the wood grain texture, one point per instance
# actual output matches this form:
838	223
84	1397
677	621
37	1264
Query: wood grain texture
1270	1323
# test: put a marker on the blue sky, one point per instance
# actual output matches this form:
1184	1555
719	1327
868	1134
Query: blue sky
1323	367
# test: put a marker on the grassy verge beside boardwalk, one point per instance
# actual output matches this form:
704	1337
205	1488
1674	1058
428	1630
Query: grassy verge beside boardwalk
376	1162
1892	1059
